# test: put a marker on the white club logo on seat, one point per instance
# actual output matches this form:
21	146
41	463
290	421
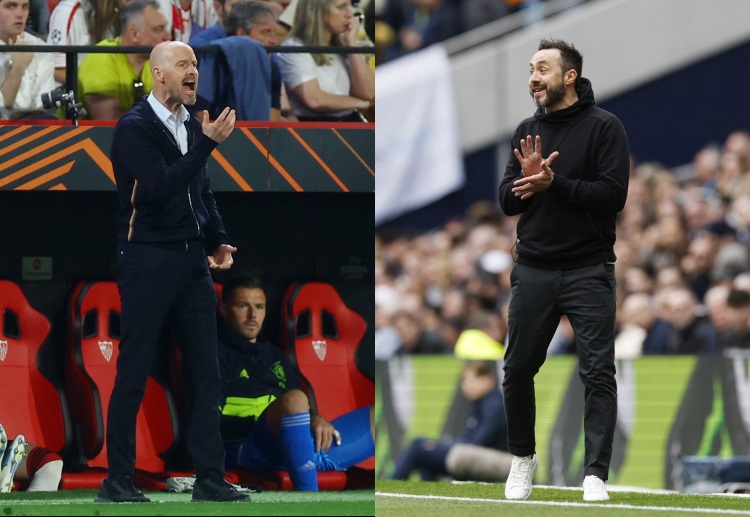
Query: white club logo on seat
3	349
106	349
320	348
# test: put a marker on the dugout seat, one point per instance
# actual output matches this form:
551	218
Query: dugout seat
321	335
31	404
91	361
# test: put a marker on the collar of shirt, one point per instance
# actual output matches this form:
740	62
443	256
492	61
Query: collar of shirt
175	124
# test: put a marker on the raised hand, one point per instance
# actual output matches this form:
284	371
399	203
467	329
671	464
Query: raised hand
220	129
530	156
21	60
351	33
537	174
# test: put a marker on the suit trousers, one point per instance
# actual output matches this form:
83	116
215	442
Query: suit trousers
539	298
161	284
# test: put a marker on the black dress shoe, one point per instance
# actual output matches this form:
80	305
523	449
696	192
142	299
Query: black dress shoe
217	492
120	490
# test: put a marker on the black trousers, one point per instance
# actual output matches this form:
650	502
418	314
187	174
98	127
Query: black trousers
538	300
160	284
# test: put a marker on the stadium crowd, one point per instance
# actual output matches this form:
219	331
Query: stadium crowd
261	86
683	269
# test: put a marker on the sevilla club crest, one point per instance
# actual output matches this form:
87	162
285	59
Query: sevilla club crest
320	347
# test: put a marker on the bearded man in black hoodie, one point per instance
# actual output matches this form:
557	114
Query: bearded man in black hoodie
568	203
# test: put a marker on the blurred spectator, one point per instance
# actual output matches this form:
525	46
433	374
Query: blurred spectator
416	24
731	259
739	218
81	22
242	74
737	336
387	340
688	331
485	426
326	87
706	166
24	76
638	279
483	337
257	21
696	264
717	309
187	17
217	30
635	318
742	281
69	24
110	84
413	339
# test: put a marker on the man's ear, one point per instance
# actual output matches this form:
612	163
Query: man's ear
570	77
222	310
132	32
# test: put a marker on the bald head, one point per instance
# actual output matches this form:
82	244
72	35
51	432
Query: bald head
161	53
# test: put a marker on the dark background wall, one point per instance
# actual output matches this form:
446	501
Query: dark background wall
282	237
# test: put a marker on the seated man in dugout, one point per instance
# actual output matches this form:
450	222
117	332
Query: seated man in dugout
266	420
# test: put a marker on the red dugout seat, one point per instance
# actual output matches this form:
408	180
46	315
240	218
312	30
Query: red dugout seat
321	336
31	404
90	376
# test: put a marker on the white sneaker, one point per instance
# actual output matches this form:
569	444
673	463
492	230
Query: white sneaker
521	473
11	460
594	489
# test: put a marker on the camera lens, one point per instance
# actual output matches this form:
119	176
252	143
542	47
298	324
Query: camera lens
53	98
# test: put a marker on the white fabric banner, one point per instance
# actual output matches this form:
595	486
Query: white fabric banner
418	156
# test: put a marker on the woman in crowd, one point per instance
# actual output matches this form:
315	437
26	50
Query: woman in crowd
326	87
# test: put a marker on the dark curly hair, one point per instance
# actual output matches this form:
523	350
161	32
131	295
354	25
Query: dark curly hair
570	56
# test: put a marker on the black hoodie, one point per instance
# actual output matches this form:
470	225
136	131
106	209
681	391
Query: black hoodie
253	375
572	224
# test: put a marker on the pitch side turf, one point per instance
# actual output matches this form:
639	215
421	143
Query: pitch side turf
415	499
80	502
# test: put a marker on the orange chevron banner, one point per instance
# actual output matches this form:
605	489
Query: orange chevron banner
301	157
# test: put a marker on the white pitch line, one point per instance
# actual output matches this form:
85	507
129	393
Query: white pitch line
554	503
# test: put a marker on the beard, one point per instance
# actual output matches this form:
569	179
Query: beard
555	93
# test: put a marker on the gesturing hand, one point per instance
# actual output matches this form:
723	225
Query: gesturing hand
530	156
222	257
537	174
220	129
351	33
